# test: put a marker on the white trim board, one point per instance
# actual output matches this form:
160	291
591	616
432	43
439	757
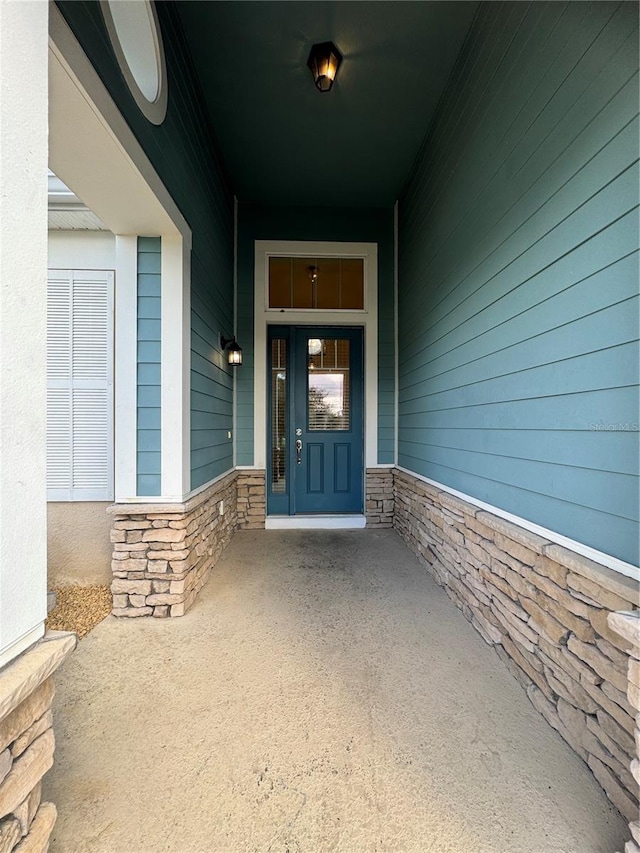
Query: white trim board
178	498
175	354
367	319
585	550
126	382
315	522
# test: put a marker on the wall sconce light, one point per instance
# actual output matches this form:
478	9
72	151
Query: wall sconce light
324	61
234	354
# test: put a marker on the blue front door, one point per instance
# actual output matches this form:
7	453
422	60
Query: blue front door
316	420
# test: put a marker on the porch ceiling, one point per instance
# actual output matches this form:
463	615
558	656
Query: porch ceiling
283	142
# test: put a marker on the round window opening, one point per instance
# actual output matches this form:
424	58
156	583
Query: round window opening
135	36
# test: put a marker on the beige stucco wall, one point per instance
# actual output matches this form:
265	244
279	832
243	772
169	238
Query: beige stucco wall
23	310
79	548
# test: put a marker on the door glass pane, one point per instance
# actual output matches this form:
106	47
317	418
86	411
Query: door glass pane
280	282
278	416
302	283
323	284
328	284
328	384
351	284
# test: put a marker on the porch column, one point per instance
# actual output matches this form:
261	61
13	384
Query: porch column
23	310
164	548
176	367
126	359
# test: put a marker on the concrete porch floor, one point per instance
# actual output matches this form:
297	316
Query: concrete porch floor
322	695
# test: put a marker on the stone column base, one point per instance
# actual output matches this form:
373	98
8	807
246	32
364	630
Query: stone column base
163	553
379	502
27	743
252	500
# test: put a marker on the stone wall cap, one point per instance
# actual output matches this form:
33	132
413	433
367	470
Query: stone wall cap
21	676
417	481
514	531
174	508
622	585
627	624
145	509
457	504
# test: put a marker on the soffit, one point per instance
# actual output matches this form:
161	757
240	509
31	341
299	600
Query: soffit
66	211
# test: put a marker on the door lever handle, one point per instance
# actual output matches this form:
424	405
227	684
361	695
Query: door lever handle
299	451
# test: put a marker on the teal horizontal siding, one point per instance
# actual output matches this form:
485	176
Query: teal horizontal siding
518	300
184	153
147	484
148	258
517	321
149	440
148	352
211	389
149	308
610	450
563	412
148	463
148	419
546	347
146	284
148	373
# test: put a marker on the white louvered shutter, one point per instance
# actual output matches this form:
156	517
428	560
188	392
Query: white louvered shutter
59	385
80	385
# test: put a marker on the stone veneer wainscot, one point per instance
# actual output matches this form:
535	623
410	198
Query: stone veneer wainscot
252	502
252	498
627	626
545	609
379	497
27	743
163	554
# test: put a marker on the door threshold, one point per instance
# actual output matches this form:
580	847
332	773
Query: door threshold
315	522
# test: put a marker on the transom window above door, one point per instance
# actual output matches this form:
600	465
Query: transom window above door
316	284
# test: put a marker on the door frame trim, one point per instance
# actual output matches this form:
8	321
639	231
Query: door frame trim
367	319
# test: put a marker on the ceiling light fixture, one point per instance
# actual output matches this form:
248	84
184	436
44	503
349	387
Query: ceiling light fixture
324	61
